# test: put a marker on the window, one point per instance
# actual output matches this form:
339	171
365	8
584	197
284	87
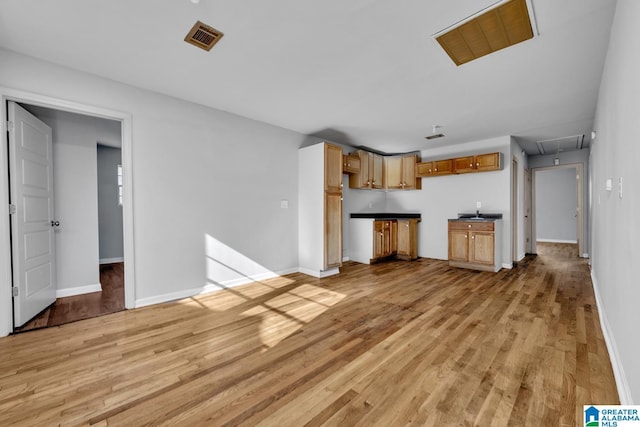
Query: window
119	185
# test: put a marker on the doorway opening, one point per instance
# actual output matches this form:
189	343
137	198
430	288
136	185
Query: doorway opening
71	289
558	206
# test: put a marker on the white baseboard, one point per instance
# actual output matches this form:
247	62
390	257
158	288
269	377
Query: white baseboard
69	292
110	260
345	259
319	274
210	287
508	265
556	241
624	392
585	255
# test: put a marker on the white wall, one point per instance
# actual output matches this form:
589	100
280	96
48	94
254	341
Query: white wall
110	226
556	202
567	158
444	197
197	172
615	245
523	163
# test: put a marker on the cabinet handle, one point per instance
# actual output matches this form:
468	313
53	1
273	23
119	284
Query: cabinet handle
473	237
470	165
465	235
478	165
469	225
429	170
436	169
348	164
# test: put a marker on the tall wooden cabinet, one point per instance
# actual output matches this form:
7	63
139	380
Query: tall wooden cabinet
320	209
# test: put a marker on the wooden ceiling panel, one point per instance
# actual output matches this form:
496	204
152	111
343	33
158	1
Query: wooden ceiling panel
491	31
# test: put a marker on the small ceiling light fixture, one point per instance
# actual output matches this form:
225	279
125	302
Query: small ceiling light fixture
434	132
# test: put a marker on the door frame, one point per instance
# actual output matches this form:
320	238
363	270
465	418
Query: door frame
515	199
8	94
579	167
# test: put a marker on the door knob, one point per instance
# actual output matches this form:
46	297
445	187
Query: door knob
55	223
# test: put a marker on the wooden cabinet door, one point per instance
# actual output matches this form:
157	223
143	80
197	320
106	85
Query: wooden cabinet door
488	162
378	239
443	167
361	179
376	171
332	230
409	180
393	171
393	237
463	164
458	245
424	169
332	168
481	248
407	239
350	164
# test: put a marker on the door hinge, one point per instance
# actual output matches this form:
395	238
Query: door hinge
10	126
12	209
15	291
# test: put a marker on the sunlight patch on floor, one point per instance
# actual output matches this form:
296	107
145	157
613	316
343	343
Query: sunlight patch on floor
285	314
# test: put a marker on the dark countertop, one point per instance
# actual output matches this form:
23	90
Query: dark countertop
386	215
484	217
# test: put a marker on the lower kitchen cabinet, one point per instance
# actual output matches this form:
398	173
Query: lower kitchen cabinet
475	244
407	239
372	240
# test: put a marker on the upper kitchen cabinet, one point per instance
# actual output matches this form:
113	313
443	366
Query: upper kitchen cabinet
333	168
467	164
424	169
400	173
488	162
371	171
350	164
443	167
479	163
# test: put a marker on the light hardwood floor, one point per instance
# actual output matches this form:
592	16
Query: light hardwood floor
391	344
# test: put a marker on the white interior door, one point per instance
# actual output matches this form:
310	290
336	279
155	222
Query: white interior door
32	225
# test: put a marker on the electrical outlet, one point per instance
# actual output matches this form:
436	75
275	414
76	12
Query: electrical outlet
284	204
478	205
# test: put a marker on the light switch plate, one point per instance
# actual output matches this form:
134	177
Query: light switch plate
284	204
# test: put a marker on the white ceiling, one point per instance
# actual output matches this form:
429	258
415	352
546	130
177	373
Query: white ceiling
360	72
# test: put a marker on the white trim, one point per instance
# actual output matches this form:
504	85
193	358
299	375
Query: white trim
69	292
345	259
8	94
624	392
575	242
210	287
111	260
586	255
508	266
319	274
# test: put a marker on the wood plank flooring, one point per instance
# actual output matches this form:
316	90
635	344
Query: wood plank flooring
390	344
85	306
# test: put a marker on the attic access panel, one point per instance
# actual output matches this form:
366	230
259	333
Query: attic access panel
496	29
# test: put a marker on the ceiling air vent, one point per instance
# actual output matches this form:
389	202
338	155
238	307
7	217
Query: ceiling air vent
487	32
203	36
